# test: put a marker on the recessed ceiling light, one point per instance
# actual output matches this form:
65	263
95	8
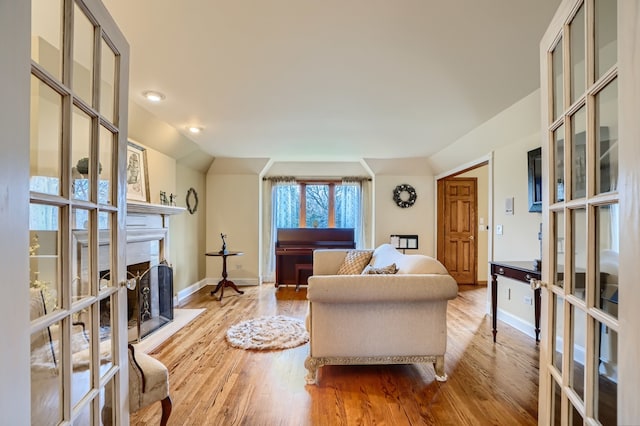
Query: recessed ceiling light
194	129
153	96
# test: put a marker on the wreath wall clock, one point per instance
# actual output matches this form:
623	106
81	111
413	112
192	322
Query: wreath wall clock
404	196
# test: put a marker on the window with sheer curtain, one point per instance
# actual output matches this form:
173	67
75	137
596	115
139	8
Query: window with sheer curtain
313	204
317	205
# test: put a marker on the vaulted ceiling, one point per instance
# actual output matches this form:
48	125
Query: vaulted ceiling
333	79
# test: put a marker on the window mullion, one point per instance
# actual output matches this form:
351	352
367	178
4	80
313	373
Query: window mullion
303	205
332	205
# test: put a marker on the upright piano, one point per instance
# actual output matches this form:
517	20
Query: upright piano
295	246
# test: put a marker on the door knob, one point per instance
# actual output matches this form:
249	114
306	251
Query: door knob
536	284
471	237
130	283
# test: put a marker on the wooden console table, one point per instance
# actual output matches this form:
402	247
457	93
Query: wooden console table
516	270
224	282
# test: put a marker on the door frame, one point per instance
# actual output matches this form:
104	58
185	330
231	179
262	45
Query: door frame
629	154
479	162
15	398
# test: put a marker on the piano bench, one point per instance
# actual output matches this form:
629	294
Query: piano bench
300	267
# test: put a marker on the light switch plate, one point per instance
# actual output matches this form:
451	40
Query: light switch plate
508	206
498	229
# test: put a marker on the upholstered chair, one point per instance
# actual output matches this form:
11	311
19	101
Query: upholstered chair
148	383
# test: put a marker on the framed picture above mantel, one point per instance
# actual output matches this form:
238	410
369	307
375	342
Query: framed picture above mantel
137	173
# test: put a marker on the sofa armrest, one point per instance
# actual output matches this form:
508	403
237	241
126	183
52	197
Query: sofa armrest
381	288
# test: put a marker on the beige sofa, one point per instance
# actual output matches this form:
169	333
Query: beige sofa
378	319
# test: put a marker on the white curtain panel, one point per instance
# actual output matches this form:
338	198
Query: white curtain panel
363	222
269	228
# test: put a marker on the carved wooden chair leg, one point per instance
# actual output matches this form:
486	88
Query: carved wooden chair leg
166	411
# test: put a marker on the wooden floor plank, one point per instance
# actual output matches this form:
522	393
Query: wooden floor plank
213	383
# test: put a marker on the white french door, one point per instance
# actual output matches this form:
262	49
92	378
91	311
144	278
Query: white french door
589	287
78	123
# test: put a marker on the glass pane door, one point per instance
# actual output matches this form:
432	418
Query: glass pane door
579	369
74	252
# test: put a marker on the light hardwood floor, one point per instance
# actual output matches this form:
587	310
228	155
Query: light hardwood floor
214	384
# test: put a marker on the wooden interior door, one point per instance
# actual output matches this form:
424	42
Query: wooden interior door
457	230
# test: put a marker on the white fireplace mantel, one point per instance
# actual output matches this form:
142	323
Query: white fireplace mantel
148	208
148	223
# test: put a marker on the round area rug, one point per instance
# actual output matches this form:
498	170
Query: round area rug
270	332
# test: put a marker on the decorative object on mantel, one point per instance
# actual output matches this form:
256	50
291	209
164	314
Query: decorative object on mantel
82	166
404	195
170	201
137	173
192	200
223	250
268	333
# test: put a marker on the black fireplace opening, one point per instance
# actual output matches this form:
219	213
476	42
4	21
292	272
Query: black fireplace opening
150	304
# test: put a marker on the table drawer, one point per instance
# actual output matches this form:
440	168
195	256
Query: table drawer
513	273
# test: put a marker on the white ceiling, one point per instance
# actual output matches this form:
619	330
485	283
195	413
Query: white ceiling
332	79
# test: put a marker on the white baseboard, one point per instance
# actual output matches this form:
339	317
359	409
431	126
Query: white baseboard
517	323
240	282
186	292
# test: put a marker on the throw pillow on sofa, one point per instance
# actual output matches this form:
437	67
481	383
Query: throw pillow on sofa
354	262
385	270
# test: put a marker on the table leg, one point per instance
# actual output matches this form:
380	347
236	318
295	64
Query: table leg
494	305
218	287
224	282
231	284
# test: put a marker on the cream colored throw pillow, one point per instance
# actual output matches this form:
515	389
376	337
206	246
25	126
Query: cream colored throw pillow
354	262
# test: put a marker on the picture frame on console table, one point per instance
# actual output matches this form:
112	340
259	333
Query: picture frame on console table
137	173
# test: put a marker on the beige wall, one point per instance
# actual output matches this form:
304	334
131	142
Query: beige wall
482	176
188	231
505	138
162	173
416	220
520	120
233	197
233	209
520	230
